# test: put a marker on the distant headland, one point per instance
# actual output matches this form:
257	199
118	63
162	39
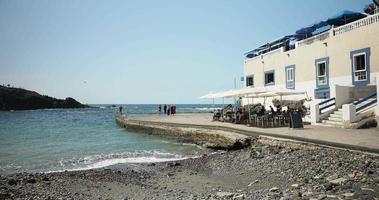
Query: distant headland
12	98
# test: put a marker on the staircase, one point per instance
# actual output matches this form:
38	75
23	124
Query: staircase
334	119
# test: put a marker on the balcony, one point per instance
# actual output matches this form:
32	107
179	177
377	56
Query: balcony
357	24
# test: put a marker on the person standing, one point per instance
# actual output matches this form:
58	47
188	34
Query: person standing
159	108
168	110
165	108
120	108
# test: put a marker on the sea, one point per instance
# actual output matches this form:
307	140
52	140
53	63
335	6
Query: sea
51	140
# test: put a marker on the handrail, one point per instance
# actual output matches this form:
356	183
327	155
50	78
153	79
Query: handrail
357	24
325	105
326	101
361	107
366	98
366	105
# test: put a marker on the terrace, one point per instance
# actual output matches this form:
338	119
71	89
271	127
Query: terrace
341	23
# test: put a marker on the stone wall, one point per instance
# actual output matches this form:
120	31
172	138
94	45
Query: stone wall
215	139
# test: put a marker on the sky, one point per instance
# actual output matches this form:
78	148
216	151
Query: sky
142	52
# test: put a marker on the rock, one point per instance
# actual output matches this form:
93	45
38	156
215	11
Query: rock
376	180
295	186
317	177
274	189
328	186
348	195
12	182
240	196
367	189
224	194
338	181
32	181
332	177
45	178
307	194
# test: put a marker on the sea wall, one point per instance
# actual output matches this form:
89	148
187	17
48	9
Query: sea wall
215	139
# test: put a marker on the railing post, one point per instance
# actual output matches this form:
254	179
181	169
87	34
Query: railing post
315	113
348	114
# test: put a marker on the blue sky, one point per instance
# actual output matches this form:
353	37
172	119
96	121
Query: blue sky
166	51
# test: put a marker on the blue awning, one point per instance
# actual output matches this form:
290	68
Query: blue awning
311	30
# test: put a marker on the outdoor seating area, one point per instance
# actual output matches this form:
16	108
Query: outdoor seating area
256	115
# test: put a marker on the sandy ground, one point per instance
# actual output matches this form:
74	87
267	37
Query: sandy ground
269	169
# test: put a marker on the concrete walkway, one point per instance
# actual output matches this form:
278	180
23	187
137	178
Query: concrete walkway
355	139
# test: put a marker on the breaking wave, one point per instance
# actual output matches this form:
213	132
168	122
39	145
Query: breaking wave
101	160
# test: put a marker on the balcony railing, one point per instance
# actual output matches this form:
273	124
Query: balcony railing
371	19
357	24
319	37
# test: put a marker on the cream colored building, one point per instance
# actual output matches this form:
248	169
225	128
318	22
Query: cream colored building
344	58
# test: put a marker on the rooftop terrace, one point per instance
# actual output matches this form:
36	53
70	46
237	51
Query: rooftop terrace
341	23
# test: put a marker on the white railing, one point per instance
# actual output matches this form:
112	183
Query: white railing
319	37
371	19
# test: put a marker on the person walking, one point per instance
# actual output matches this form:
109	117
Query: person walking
165	108
159	108
168	110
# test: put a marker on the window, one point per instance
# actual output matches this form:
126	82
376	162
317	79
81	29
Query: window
360	69
290	77
321	73
249	81
270	78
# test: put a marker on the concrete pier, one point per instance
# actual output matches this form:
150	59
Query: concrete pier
210	138
354	139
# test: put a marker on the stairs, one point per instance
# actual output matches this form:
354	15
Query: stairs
334	119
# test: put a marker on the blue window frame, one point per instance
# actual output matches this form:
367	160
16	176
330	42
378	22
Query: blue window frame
250	81
290	76
360	67
269	77
322	72
322	90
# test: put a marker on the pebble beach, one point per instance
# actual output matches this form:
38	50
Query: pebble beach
268	169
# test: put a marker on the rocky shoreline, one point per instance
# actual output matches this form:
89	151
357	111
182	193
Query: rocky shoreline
269	169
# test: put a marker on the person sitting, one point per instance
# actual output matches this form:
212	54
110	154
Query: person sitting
217	115
272	110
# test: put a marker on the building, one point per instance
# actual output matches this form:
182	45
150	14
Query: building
335	61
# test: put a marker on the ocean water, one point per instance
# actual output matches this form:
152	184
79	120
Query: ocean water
77	139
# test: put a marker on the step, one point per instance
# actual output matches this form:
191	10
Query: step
336	115
329	125
338	112
337	119
332	122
